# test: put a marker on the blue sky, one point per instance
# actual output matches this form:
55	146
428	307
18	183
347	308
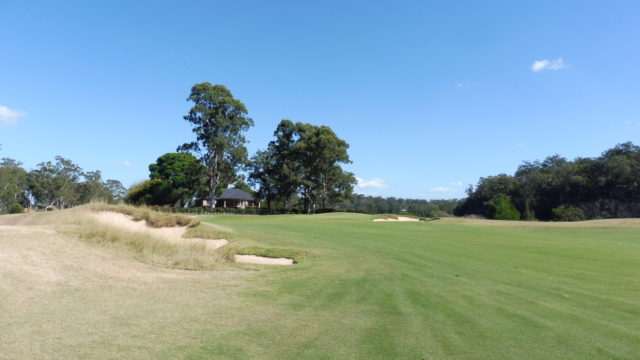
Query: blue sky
430	95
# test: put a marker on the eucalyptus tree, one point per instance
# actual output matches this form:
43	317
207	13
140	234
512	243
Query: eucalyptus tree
323	153
286	166
56	183
13	184
219	121
117	190
261	174
93	188
307	160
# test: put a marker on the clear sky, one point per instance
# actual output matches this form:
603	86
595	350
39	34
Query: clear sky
430	95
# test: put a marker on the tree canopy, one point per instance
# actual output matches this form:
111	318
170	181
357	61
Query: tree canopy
304	160
60	183
219	121
184	175
556	188
175	179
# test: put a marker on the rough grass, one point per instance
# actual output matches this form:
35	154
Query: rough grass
147	248
152	218
77	222
207	231
61	298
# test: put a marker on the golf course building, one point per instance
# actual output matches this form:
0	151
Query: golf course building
236	198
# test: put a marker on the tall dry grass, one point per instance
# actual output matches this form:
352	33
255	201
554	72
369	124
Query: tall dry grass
79	222
152	218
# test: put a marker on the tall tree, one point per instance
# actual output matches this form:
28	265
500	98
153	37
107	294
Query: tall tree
117	190
303	159
219	121
13	184
286	166
322	153
56	183
93	188
261	171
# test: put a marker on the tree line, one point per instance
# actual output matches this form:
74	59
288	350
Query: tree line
378	205
300	170
607	186
56	184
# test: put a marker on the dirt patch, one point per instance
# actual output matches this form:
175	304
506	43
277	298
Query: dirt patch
398	218
170	234
253	259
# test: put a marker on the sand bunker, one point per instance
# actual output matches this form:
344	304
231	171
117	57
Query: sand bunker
253	259
399	218
170	234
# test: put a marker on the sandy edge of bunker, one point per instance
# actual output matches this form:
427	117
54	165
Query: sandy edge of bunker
399	218
170	234
262	260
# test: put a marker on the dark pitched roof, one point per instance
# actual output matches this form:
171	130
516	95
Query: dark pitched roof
234	194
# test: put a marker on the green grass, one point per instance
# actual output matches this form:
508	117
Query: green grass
438	291
446	289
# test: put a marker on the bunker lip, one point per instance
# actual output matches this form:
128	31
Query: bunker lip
399	218
169	234
262	260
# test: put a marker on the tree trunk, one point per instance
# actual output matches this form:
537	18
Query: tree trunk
324	194
214	179
212	192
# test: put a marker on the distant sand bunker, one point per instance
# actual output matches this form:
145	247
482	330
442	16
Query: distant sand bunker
170	234
253	259
399	218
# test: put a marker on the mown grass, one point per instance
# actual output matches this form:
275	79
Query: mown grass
439	290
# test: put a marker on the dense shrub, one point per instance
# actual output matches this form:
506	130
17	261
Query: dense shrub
152	192
16	209
503	208
568	212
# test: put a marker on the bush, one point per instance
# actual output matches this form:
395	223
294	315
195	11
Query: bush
152	192
16	209
568	212
503	208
